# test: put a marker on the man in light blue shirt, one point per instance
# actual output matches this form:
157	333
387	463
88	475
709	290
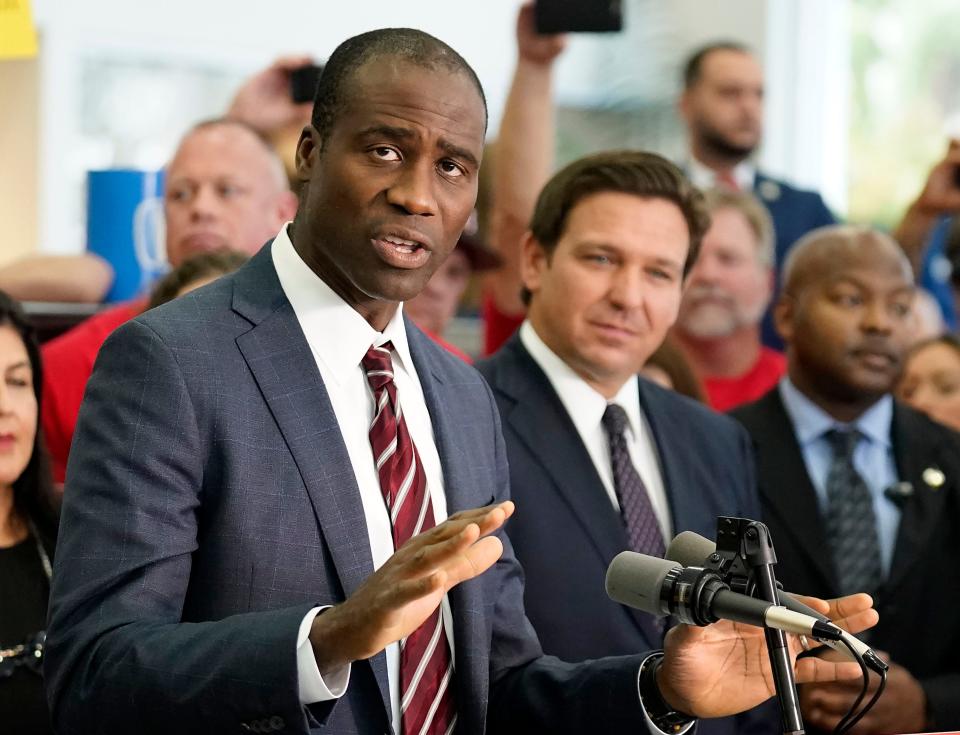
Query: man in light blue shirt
861	492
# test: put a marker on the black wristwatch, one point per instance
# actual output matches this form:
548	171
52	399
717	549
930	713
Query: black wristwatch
663	716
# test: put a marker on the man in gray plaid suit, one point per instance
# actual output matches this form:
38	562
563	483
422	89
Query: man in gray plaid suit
226	560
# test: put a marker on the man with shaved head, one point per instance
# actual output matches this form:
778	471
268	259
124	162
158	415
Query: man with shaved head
862	493
225	189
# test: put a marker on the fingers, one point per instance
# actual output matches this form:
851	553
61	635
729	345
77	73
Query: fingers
817	670
842	607
821	606
489	518
474	561
460	558
853	613
461	546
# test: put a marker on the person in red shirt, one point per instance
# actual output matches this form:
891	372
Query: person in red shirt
226	189
728	290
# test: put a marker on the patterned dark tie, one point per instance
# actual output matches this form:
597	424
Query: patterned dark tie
426	668
851	524
643	529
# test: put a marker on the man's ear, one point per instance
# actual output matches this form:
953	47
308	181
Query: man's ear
783	315
308	151
534	260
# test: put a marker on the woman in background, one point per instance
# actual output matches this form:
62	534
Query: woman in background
28	528
931	379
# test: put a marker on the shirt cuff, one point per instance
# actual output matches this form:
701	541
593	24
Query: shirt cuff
312	686
651	725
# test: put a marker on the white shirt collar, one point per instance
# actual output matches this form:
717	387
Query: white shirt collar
583	403
744	173
323	313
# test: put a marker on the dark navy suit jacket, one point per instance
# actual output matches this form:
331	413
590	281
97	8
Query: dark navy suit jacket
211	503
919	602
794	212
565	530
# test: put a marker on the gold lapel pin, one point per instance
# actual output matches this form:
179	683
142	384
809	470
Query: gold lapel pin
934	478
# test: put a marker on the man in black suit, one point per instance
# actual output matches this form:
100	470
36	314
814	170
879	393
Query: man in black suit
861	492
612	238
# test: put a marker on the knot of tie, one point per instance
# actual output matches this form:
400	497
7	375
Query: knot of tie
614	419
843	442
378	366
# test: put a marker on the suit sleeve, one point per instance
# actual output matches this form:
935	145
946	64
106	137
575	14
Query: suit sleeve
119	659
530	692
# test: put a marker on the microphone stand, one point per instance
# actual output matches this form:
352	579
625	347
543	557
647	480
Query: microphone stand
745	551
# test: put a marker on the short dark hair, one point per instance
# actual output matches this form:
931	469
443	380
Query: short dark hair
694	66
407	44
640	173
203	265
33	497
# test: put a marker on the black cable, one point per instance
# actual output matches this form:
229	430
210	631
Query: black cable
849	720
873	700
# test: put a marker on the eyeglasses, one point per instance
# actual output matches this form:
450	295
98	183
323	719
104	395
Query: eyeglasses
28	654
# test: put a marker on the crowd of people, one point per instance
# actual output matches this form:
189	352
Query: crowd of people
270	495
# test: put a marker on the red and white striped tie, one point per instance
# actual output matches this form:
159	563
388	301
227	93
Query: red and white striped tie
426	669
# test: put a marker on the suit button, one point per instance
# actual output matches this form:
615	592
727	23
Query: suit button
277	722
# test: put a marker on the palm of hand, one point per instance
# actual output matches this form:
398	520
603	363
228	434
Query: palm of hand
720	669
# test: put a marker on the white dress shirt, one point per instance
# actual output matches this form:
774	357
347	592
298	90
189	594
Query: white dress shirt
339	338
585	407
702	177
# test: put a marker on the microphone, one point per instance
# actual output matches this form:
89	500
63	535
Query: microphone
692	549
698	596
899	493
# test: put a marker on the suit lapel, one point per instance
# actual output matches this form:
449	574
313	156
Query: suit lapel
543	425
541	422
917	464
786	486
680	488
280	359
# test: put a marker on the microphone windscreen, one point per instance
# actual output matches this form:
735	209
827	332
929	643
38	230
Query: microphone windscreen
636	579
690	549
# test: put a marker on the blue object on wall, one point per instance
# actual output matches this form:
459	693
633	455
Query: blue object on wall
125	227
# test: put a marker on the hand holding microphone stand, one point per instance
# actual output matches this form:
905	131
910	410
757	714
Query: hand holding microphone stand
746	545
700	582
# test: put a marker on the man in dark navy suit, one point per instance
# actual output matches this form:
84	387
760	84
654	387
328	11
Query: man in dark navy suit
600	460
722	104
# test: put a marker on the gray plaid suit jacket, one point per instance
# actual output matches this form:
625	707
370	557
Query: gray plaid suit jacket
210	503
